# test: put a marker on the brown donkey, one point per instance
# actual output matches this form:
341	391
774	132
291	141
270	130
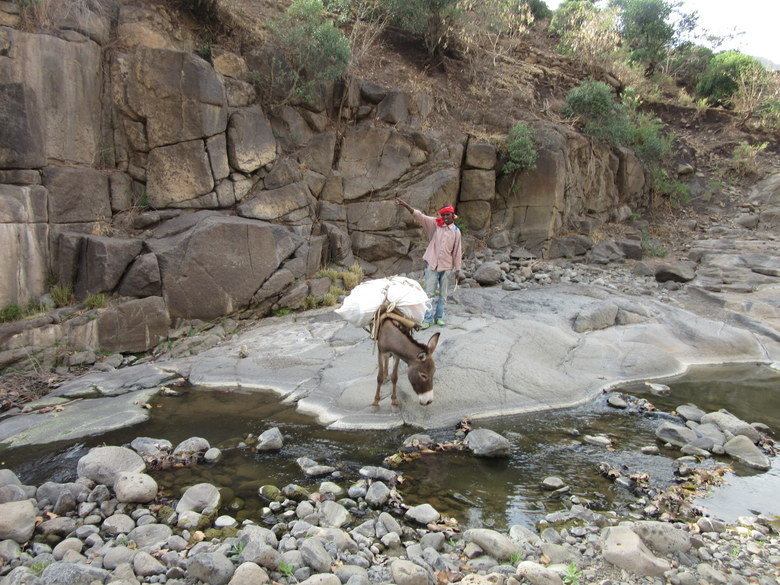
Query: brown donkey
395	339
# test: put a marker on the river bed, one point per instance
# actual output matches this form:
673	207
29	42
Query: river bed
478	492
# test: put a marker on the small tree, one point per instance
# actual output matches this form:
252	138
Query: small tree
587	33
431	19
646	27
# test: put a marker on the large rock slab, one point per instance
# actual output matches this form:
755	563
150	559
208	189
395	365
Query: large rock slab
743	450
21	135
371	158
212	265
77	194
63	90
180	96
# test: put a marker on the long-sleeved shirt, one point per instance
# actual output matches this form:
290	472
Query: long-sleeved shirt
444	249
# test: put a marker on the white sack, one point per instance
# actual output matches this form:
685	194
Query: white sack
363	301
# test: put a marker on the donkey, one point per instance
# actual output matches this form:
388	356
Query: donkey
395	339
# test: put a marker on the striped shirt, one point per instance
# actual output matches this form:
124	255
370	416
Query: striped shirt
444	249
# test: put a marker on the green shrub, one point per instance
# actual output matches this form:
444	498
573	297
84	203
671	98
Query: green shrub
329	300
721	81
204	51
601	114
336	291
350	280
309	50
96	301
310	302
11	313
463	225
61	295
430	19
539	9
281	311
521	149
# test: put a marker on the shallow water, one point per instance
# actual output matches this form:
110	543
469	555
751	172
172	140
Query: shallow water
478	492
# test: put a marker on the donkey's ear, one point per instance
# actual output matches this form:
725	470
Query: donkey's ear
433	342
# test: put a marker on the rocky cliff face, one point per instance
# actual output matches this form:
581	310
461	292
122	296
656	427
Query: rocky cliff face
129	165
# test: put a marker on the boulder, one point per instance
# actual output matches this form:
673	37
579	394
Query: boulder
333	514
605	253
142	278
422	514
217	265
179	95
478	185
135	487
596	316
63	91
675	434
372	215
319	153
290	204
250	140
150	537
377	494
17	521
495	544
537	574
406	572
623	548
270	440
202	498
489	274
211	568
394	108
249	574
743	450
683	271
63	573
727	422
104	464
662	537
133	326
487	443
102	263
315	555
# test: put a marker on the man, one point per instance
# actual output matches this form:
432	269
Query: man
441	257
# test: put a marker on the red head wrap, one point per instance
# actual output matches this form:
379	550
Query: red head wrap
442	211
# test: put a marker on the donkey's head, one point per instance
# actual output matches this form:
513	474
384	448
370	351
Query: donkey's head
421	369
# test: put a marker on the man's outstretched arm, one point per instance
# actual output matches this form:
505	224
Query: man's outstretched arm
404	204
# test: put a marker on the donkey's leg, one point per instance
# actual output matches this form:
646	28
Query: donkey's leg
394	380
380	377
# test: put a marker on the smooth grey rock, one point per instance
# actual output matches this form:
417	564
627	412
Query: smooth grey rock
388	476
537	574
69	544
495	544
190	447
675	434
118	524
727	422
103	464
408	573
202	498
135	487
151	536
249	574
61	573
332	514
17	521
487	443
743	450
690	412
662	537
211	568
377	494
623	548
315	555
270	440
489	274
422	514
118	555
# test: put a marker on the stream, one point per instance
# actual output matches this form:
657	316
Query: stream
478	492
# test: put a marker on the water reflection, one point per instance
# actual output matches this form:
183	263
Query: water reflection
478	492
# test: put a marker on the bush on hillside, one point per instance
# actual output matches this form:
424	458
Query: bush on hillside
521	149
688	63
307	50
720	82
